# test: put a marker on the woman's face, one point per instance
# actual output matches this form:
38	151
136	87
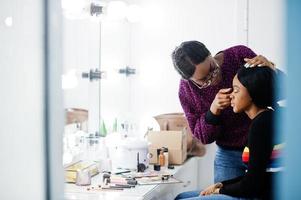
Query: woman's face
201	71
205	73
240	98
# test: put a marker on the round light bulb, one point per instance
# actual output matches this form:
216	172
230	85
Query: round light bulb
8	21
69	80
134	13
116	10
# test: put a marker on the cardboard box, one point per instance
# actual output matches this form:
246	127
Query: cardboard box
175	141
178	122
172	122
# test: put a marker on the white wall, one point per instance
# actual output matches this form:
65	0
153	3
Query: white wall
267	30
22	169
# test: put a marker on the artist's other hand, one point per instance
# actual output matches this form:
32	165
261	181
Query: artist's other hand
259	61
221	101
212	189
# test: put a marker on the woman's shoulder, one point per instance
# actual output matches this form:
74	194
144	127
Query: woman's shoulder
237	49
267	114
233	58
184	84
184	88
263	120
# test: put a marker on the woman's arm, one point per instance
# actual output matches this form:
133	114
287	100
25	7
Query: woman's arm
205	132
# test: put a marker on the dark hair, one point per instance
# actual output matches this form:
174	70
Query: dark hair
187	55
260	83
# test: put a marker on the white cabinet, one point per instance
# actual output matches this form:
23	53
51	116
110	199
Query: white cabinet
187	173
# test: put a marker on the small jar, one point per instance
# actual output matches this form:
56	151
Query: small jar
83	178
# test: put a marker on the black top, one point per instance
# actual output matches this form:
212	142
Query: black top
256	182
211	118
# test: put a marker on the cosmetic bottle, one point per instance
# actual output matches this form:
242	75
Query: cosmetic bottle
161	159
165	153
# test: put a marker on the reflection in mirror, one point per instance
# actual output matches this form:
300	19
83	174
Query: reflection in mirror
80	83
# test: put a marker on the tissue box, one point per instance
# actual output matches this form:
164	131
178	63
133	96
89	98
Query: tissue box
175	141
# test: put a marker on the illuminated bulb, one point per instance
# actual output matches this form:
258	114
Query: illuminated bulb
8	21
69	80
116	10
134	13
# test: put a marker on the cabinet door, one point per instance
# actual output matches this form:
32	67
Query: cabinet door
161	192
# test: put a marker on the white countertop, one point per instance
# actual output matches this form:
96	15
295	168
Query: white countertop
74	192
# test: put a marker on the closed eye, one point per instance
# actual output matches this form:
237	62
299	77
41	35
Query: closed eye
235	89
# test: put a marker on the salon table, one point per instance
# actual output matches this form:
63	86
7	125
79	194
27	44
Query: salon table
187	173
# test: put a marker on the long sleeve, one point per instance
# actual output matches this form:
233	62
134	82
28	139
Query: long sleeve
255	180
231	181
205	132
240	52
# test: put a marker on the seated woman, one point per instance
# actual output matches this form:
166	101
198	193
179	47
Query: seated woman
253	93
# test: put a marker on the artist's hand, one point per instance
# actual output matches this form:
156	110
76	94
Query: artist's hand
221	101
212	189
259	61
